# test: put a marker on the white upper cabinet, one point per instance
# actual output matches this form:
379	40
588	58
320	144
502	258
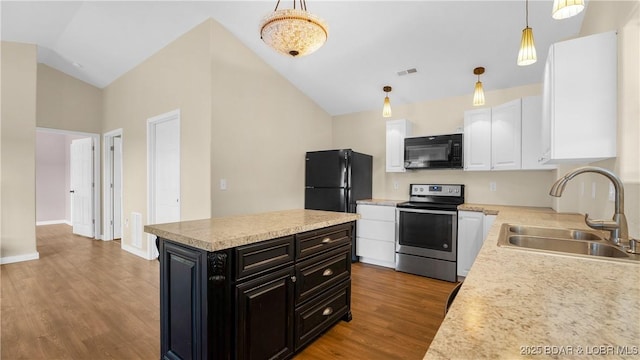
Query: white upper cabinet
477	139
580	100
532	134
397	130
505	136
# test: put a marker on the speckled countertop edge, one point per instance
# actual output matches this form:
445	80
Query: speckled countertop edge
522	304
380	202
227	232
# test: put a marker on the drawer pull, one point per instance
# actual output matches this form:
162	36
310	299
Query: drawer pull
327	272
294	279
328	311
326	240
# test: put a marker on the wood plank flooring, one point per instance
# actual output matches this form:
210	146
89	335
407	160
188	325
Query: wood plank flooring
88	299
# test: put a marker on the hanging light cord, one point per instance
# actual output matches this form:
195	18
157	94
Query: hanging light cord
526	11
303	5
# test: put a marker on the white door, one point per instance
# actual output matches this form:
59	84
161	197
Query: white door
116	180
166	171
81	181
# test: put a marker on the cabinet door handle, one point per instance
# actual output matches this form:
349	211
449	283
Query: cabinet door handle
294	279
328	311
326	240
327	272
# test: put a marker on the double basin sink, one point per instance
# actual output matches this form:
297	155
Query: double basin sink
558	240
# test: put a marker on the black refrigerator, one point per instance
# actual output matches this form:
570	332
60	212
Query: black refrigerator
335	180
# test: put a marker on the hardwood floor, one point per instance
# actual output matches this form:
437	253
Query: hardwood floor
88	299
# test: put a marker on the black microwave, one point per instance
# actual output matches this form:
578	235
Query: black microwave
433	152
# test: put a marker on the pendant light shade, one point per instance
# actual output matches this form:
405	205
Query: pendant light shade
386	107
478	93
293	32
563	9
527	54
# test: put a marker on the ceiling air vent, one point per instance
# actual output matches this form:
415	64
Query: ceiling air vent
406	72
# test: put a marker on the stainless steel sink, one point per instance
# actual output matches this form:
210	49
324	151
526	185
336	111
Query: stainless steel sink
553	232
564	241
567	246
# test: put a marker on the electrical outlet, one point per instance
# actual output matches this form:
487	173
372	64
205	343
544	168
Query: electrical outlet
395	185
492	186
223	184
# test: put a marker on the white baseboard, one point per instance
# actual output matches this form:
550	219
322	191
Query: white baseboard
52	222
136	251
19	258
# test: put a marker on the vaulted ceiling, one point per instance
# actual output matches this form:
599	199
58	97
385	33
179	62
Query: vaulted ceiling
369	42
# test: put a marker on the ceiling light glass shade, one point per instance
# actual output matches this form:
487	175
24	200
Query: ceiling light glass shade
478	95
563	9
293	32
386	108
527	54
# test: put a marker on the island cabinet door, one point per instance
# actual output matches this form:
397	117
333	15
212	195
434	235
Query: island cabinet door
265	316
183	275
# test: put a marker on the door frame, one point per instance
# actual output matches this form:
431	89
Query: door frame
152	252
97	183
107	156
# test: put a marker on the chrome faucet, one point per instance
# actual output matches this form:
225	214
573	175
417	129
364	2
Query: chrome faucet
618	225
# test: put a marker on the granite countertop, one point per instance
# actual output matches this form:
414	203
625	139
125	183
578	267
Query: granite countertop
227	232
517	303
380	202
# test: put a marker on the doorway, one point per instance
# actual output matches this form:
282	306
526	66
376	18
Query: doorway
163	159
75	200
112	192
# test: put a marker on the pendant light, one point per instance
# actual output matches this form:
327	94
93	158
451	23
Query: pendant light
563	9
527	53
386	108
293	32
478	93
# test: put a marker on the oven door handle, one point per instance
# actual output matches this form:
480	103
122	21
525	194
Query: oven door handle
424	211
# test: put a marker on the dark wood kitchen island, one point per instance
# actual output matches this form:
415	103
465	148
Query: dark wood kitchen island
256	286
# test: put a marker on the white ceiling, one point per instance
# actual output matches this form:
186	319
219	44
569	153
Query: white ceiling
369	42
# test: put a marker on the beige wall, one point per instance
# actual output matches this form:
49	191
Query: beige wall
66	103
18	131
176	77
261	128
240	121
623	16
365	132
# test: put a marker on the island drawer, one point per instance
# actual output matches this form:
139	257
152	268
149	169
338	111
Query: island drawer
316	316
319	273
266	255
316	241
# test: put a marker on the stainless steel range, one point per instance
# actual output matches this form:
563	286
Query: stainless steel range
427	231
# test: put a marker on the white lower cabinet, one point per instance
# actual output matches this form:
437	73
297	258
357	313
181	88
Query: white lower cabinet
375	235
473	227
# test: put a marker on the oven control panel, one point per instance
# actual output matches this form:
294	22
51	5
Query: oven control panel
436	190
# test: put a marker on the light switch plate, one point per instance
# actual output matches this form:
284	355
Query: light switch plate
223	184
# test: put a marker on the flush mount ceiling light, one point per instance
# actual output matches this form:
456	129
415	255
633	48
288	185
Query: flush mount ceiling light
563	9
478	93
527	54
293	32
386	108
